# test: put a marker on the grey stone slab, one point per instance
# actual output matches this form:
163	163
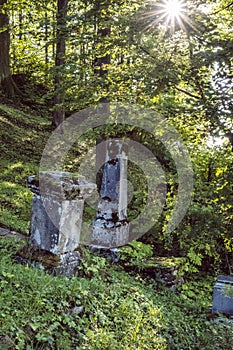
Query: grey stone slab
222	303
44	233
4	232
70	225
225	279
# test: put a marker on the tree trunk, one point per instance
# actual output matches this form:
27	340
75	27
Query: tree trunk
59	91
6	82
103	32
101	70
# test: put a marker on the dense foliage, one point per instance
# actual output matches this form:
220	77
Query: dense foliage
68	55
105	309
58	57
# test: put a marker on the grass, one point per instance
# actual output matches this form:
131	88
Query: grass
23	136
102	307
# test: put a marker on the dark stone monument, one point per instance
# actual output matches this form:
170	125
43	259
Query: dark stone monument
111	228
222	303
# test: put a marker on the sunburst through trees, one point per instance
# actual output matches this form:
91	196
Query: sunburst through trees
169	15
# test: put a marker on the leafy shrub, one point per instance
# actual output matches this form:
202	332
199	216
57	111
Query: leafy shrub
109	310
135	252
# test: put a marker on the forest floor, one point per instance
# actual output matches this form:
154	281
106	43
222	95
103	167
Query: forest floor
103	307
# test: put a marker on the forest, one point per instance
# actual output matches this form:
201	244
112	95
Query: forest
166	58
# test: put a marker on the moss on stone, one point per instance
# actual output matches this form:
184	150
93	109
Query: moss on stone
34	254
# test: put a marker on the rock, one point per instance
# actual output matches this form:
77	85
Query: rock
4	232
163	270
111	254
77	310
6	343
67	265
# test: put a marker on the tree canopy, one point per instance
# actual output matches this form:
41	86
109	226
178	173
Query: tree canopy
181	62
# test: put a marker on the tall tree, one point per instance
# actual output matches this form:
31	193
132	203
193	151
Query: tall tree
6	82
59	91
102	60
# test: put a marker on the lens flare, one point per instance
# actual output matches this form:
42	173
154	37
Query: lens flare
170	14
173	8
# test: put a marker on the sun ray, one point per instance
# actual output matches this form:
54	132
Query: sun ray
170	14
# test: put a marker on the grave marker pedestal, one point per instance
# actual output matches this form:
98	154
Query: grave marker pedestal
56	217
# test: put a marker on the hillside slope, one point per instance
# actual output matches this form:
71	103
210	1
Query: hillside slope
23	134
103	307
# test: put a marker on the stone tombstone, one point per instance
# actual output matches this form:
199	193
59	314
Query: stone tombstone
111	228
222	303
58	232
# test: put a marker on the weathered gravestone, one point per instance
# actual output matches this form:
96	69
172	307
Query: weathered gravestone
111	228
56	218
57	210
222	302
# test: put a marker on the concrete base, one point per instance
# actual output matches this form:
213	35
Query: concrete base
110	228
67	265
103	237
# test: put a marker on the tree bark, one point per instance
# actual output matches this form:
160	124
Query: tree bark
6	82
59	91
101	70
103	32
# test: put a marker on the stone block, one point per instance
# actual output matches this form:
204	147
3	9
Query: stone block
222	303
57	210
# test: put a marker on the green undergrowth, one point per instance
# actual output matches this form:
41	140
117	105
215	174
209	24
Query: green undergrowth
23	135
101	308
15	197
